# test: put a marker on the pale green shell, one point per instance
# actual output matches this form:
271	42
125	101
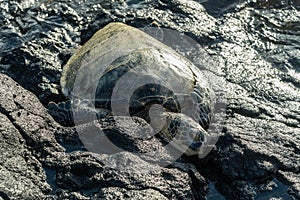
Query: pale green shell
117	45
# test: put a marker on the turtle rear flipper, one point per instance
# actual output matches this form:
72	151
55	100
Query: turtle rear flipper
75	112
61	112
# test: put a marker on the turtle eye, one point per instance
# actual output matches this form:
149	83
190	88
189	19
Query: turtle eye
200	136
195	145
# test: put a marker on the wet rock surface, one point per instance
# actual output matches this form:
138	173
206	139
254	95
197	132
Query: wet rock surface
254	47
22	175
34	164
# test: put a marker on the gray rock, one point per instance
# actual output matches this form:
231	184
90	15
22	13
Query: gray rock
29	117
85	173
21	175
41	160
254	44
121	193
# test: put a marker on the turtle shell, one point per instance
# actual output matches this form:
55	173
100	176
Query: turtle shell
125	70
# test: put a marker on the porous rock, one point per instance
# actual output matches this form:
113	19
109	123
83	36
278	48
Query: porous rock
254	46
42	167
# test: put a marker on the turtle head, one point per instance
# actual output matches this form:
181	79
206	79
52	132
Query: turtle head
195	143
183	133
189	139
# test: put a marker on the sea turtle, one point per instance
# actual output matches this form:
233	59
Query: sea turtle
122	71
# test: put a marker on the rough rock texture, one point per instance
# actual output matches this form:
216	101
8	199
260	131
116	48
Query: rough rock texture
22	176
32	158
25	136
263	101
255	48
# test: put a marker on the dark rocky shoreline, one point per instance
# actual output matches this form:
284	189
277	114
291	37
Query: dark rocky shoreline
253	50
